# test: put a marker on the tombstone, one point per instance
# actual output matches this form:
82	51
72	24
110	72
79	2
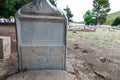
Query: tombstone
1	49
41	36
5	47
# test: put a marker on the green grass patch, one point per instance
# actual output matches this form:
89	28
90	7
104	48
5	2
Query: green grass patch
100	38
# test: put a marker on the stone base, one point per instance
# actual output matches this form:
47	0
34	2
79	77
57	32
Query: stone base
43	75
43	57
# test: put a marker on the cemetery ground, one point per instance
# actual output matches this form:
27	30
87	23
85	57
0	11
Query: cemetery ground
93	55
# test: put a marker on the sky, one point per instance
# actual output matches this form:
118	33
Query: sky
79	7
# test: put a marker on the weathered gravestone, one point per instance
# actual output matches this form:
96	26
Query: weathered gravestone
5	47
41	34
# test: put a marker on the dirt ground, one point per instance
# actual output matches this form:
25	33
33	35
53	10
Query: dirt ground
93	55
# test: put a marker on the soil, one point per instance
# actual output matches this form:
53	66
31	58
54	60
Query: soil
92	62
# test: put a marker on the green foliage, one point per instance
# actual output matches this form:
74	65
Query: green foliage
100	10
7	8
68	13
111	18
116	22
20	3
53	2
89	18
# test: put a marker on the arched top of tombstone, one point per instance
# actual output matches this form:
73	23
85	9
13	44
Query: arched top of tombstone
40	8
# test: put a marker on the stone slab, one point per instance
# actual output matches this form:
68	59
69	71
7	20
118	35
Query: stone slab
6	42
43	57
35	32
43	75
41	34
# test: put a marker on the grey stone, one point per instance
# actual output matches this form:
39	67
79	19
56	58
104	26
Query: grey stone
43	75
43	57
5	47
41	35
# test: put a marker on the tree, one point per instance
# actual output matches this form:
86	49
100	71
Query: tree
7	8
53	2
100	10
68	13
20	3
89	18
